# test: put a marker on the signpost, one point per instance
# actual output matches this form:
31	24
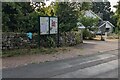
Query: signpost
48	26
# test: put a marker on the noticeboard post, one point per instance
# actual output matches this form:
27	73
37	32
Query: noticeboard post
48	26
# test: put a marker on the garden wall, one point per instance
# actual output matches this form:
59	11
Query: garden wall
20	40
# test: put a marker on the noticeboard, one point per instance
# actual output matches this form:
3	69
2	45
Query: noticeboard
53	25
48	25
44	25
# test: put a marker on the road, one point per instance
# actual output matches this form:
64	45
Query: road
100	65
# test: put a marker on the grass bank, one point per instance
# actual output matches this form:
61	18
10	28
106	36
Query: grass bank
18	52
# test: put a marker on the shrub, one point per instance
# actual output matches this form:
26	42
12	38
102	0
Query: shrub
113	36
77	37
51	42
87	34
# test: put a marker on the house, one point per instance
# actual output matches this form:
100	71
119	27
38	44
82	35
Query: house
80	25
104	26
108	27
90	13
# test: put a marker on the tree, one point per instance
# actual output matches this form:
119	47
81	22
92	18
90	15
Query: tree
68	16
16	16
91	25
103	9
86	5
117	15
89	22
42	9
23	17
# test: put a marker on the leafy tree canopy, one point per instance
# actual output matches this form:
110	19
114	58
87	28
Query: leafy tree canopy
117	16
17	16
68	16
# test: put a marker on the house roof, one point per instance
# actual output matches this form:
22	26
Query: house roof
90	13
80	25
110	23
102	23
106	22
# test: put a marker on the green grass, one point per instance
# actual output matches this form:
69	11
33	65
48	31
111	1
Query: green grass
18	52
10	53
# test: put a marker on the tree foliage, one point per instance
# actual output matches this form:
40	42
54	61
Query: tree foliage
16	16
118	14
103	9
89	22
117	17
86	5
68	16
23	16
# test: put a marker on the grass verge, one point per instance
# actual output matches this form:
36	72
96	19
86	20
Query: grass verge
18	52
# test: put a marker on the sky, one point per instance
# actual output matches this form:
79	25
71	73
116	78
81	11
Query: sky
113	2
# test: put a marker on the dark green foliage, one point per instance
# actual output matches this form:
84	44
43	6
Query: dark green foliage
104	11
87	34
103	8
86	6
67	16
51	42
23	17
116	18
18	17
88	21
118	15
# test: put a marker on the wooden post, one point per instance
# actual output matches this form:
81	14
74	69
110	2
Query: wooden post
39	31
58	34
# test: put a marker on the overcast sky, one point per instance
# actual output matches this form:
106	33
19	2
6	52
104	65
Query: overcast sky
113	2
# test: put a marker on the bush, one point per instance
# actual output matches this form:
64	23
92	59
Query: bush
87	34
70	38
51	42
78	38
113	36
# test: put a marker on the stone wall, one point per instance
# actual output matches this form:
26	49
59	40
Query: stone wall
70	38
16	41
20	40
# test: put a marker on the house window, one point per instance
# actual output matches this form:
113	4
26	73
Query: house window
107	29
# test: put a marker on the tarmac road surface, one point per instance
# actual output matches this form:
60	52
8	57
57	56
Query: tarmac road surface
101	65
